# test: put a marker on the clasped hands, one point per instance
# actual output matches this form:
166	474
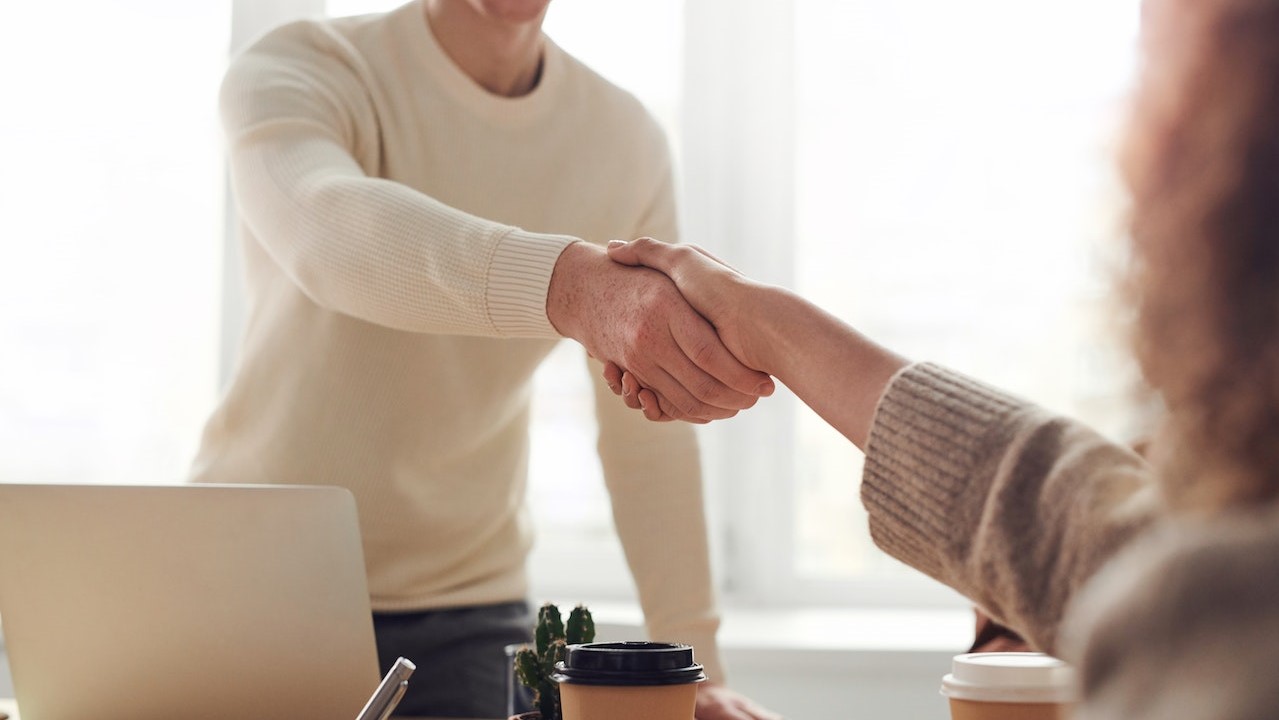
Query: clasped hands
666	321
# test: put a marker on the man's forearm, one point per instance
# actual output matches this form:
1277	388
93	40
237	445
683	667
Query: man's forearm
564	294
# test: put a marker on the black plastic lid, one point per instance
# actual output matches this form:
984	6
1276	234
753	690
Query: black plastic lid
628	663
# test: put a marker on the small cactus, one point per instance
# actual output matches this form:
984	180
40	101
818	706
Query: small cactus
535	665
581	626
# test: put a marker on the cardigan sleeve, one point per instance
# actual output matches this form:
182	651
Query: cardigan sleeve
1012	506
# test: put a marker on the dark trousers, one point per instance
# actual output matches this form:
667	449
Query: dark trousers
462	668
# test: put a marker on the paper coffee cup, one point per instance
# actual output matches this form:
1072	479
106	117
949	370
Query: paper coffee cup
628	681
1009	686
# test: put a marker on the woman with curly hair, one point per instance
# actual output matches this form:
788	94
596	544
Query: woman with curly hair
1158	578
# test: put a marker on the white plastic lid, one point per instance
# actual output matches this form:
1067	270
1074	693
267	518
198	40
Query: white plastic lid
1009	677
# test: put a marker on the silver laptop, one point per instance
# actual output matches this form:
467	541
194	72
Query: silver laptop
185	602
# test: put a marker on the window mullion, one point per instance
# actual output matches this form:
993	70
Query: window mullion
738	200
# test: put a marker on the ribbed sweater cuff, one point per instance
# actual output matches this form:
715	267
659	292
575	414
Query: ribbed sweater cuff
518	278
930	434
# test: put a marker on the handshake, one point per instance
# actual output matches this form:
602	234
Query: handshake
673	325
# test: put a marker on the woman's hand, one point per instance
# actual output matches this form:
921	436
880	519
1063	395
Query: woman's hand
834	369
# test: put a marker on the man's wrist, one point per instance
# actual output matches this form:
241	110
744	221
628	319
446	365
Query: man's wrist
564	294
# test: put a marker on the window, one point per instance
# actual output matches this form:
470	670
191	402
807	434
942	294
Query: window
955	199
111	205
939	175
936	173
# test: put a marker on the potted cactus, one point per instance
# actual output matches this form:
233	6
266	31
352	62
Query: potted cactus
534	665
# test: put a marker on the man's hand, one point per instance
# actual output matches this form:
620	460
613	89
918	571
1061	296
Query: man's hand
714	289
635	317
717	702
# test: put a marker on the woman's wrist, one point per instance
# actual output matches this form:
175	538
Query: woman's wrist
831	367
773	315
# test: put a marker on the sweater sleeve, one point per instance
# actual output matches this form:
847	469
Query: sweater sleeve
997	498
297	116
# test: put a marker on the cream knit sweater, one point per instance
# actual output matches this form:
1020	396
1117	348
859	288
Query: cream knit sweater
400	226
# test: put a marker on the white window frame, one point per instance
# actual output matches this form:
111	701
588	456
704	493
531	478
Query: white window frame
249	20
738	201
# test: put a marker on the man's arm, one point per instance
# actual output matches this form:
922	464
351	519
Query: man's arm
303	138
296	115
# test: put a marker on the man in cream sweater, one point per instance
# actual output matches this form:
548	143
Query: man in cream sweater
421	195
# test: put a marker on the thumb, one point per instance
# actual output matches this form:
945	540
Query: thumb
622	252
644	251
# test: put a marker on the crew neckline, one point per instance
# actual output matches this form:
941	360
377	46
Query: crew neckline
496	109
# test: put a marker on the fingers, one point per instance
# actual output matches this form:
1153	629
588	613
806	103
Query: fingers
648	329
634	395
637	397
630	391
652	408
613	376
728	383
682	392
709	400
647	251
658	255
703	368
668	360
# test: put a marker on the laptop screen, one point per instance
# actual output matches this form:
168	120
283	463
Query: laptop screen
193	601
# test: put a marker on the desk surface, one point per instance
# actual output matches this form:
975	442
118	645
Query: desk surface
7	705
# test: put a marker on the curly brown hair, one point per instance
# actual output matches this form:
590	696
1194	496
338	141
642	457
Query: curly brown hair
1202	161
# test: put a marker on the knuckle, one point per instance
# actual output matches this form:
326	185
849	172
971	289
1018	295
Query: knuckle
703	352
634	337
684	408
655	295
708	390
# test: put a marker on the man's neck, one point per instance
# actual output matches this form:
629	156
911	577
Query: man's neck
505	58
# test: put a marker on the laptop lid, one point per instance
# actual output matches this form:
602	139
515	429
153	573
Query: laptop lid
187	601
